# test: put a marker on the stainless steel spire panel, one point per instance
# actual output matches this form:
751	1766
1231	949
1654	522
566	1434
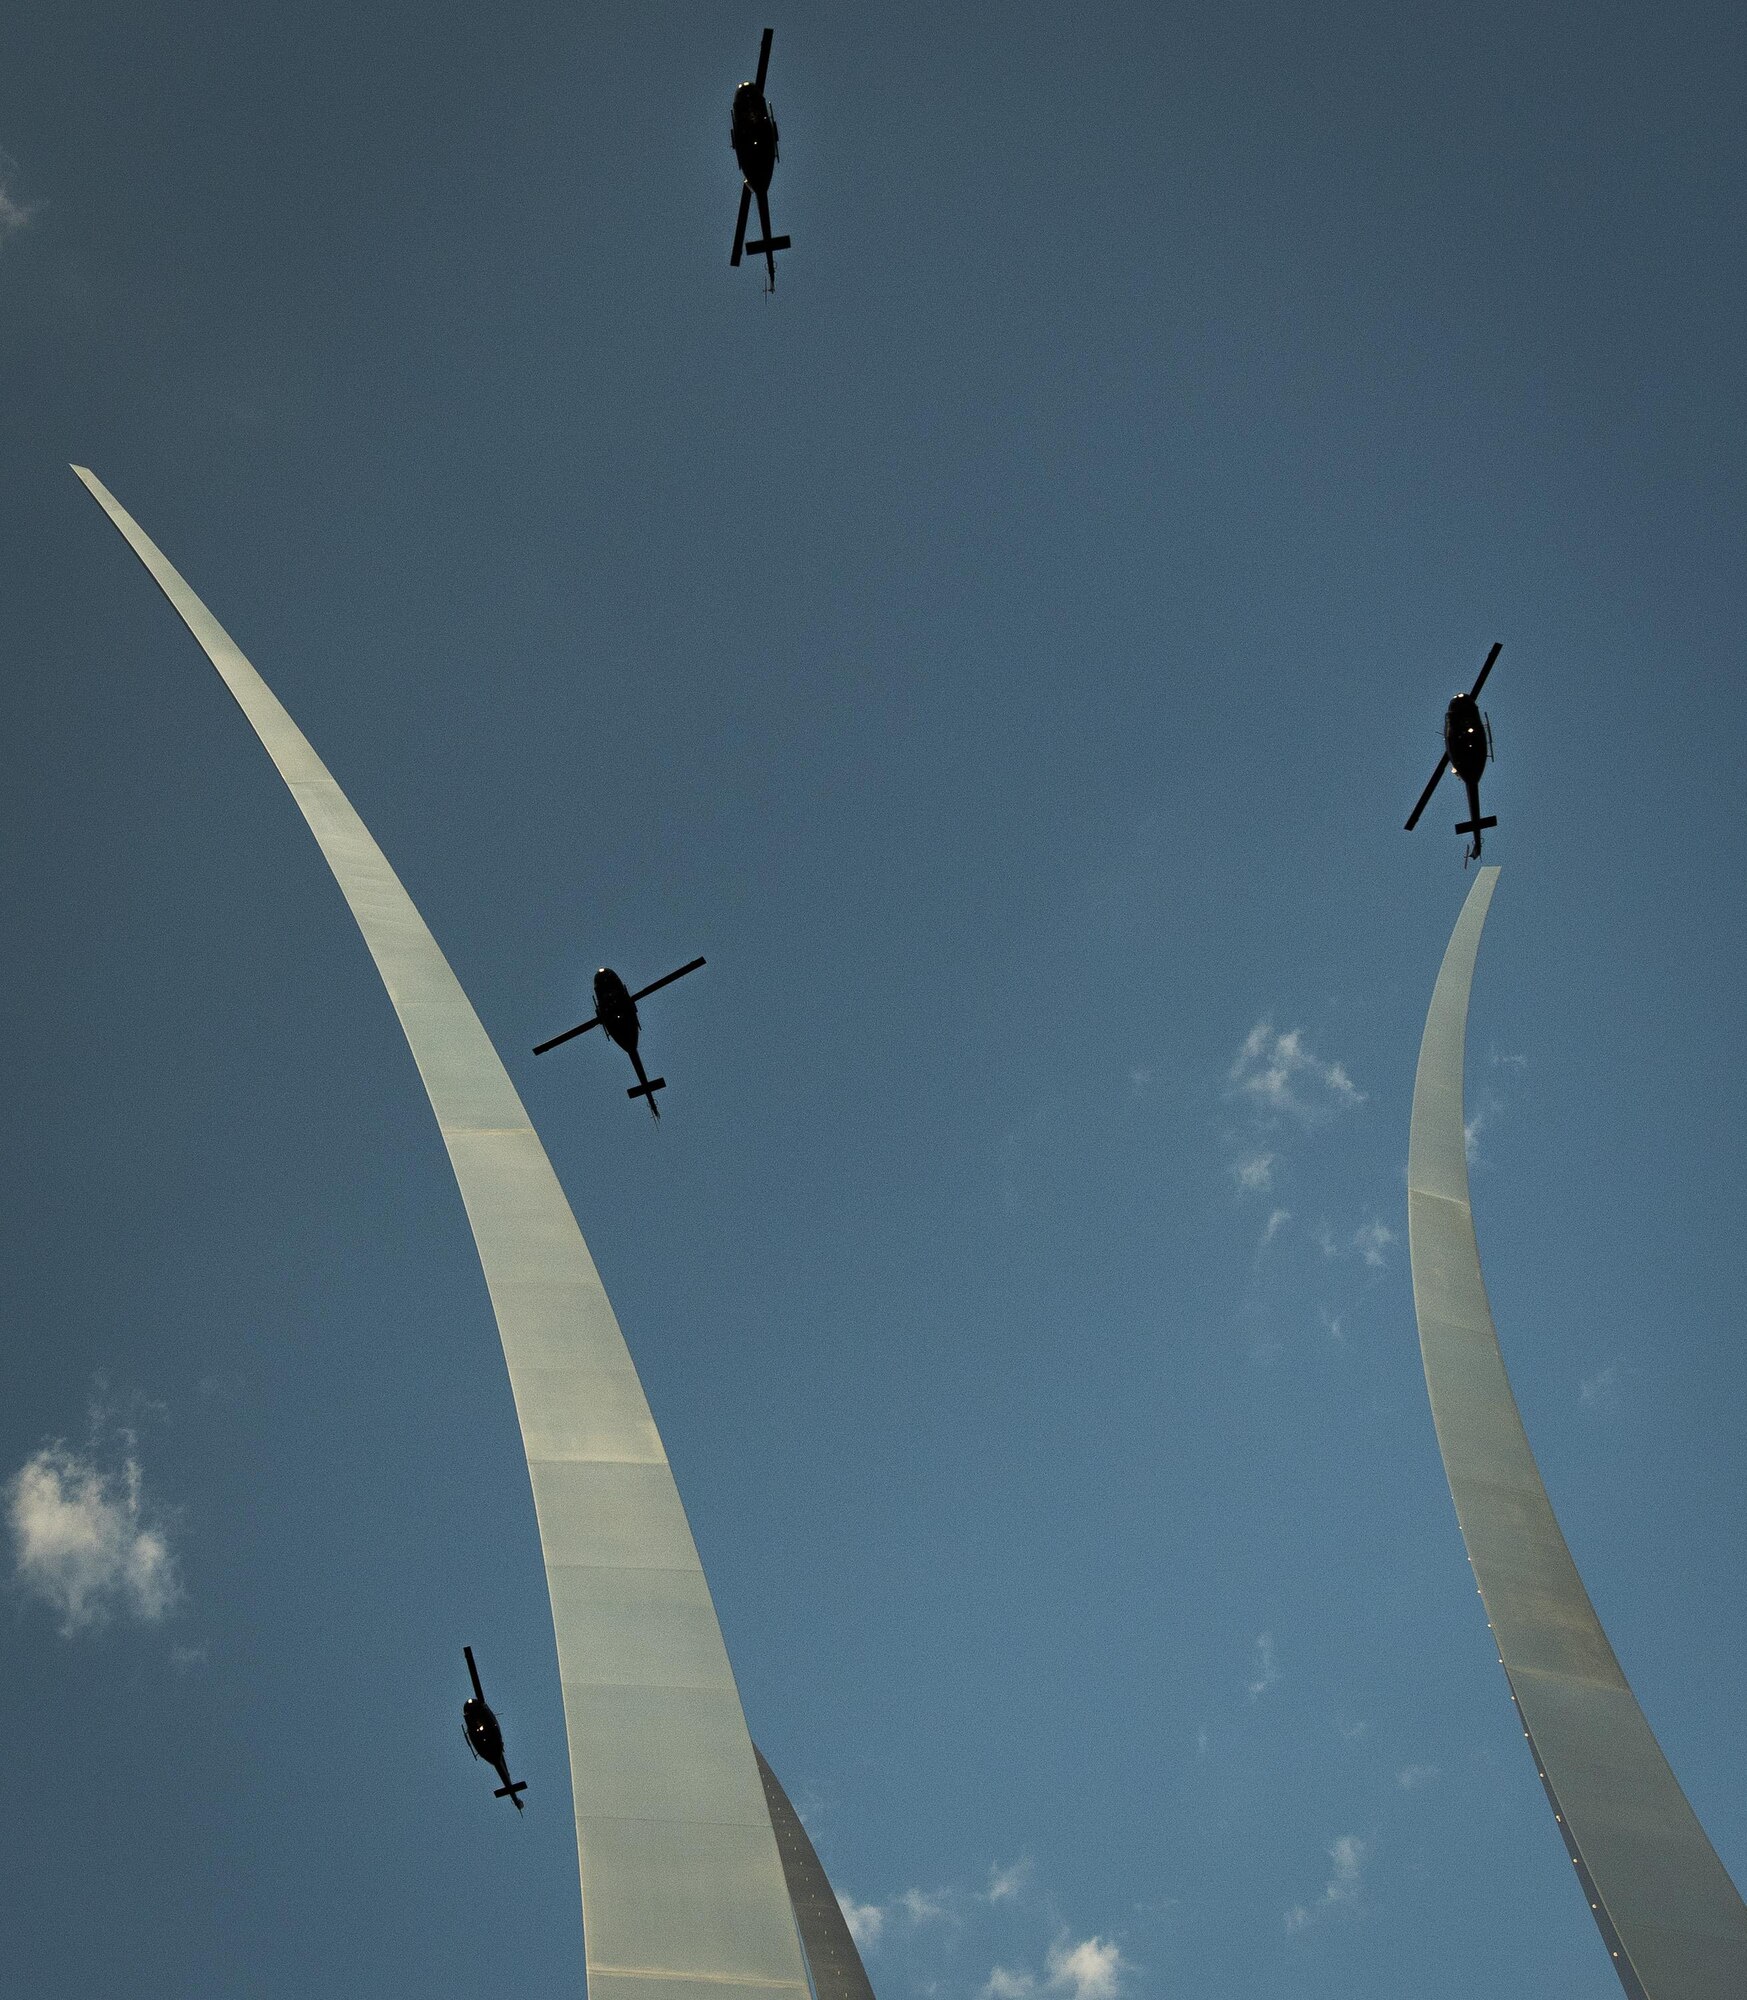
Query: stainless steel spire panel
1668	1913
683	1890
832	1959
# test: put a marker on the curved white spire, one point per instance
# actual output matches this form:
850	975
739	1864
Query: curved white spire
683	1892
1666	1908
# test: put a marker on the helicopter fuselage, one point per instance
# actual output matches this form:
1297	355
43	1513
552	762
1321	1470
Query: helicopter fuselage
1465	738
752	133
483	1734
616	1010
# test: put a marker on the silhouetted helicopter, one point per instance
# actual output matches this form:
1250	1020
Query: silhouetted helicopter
485	1739
752	134
615	1010
1467	745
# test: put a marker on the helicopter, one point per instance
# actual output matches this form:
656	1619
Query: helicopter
752	134
485	1738
616	1013
1467	746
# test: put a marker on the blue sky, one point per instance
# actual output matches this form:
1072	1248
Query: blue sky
1008	654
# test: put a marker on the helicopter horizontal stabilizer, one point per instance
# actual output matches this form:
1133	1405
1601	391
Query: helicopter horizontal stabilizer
765	243
648	1089
1476	825
510	1791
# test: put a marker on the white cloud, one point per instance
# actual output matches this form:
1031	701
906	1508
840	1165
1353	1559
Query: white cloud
865	1921
934	1924
1089	1970
1348	1855
1489	1107
1254	1173
1333	1324
14	214
1267	1666
1341	1890
1371	1239
1471	1135
1279	1076
869	1922
1005	1884
1139	1080
1600	1391
1411	1776
1276	1222
85	1541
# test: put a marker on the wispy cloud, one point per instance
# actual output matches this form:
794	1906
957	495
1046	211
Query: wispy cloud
1004	1920
1093	1969
1279	1076
869	1922
1254	1173
1484	1114
1276	1221
865	1921
1371	1239
1341	1891
85	1541
14	214
1412	1776
1601	1390
1267	1667
1007	1884
1089	1970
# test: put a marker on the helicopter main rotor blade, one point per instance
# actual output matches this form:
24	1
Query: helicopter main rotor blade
763	61
474	1671
740	226
667	980
1497	648
1425	797
569	1035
